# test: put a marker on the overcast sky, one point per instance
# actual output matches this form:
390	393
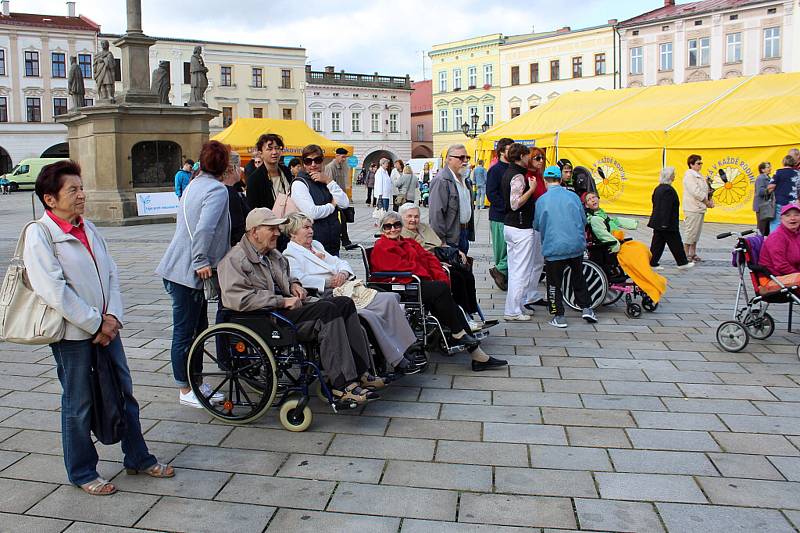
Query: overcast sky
387	36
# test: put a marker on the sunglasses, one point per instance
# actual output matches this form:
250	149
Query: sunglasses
395	225
461	157
315	160
538	158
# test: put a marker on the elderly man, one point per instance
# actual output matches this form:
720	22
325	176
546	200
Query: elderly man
340	172
255	276
450	200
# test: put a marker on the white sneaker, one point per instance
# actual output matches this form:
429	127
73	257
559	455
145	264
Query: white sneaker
526	311
517	318
189	399
687	266
659	267
558	321
589	316
475	325
206	390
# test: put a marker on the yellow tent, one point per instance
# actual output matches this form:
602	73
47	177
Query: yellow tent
629	134
244	132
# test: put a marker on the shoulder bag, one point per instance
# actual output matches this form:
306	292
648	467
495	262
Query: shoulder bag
211	289
284	205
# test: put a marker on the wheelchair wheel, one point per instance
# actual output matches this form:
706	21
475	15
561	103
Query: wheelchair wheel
294	419
648	304
758	327
236	362
596	285
633	310
612	296
732	336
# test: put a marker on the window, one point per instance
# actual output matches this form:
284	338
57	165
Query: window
471	112
698	22
733	17
59	106
577	67
225	76
472	77
375	122
287	113
59	62
85	64
488	112
355	120
772	43
457	118
534	72
118	69
286	78
88	102
771	11
734	53
393	123
32	64
443	120
2	62
227	116
515	75
514	112
316	120
488	75
420	132
34	108
599	64
665	56
664	28
258	112
3	109
554	70
636	60
699	52
258	77
456	79
336	121
187	73
443	81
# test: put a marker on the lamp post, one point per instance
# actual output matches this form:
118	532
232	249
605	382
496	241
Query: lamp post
471	130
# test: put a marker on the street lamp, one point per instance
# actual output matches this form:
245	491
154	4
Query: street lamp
471	131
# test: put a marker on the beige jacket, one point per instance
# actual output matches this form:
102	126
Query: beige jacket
695	192
245	280
425	236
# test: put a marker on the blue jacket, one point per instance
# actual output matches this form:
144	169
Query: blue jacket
497	209
479	175
561	220
785	181
181	181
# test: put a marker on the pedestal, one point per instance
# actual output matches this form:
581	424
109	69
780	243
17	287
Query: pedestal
135	65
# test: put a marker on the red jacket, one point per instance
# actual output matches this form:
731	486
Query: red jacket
405	255
541	188
781	252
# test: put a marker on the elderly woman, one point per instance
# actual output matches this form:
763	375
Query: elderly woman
383	184
781	250
331	276
201	239
602	225
784	186
238	207
70	269
405	186
763	199
697	199
393	253
664	222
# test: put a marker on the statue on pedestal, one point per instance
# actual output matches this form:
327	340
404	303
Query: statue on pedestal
104	67
199	81
77	91
161	82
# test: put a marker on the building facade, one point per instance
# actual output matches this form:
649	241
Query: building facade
34	63
709	40
422	119
539	67
372	112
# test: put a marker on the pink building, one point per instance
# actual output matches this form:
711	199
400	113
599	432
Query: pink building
422	119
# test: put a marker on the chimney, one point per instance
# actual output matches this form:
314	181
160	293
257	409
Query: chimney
70	9
612	22
6	7
565	29
669	3
330	69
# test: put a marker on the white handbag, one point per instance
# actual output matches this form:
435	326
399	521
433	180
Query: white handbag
24	317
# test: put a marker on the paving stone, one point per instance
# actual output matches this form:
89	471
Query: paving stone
471	397
573	386
403	409
606	515
278	440
382	447
524	433
71	503
514	384
16	495
332	468
791	409
771	380
635	364
229	460
661	462
786	394
201	484
532	371
641	388
687	405
682	376
438	476
529	511
542	482
50	469
714	519
177	514
45	442
789	467
604	374
314	521
30	524
687	421
763	424
429	526
394	501
669	439
741	465
33	419
482	453
9	458
30	400
598	437
648	487
755	444
280	492
435	429
632	403
185	433
543	399
335	423
491	413
751	492
587	417
732	392
569	458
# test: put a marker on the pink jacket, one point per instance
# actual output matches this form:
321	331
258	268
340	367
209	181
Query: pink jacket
781	252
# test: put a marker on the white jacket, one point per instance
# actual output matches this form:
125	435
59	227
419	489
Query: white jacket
310	269
695	192
383	184
79	288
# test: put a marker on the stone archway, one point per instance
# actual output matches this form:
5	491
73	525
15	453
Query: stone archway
155	163
5	161
422	152
376	156
60	150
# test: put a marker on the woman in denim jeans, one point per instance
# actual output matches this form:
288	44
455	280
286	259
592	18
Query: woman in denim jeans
72	271
201	240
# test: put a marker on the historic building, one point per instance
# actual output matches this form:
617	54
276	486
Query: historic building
372	112
422	119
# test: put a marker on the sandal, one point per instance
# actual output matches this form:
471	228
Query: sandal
99	487
697	258
157	470
354	393
372	382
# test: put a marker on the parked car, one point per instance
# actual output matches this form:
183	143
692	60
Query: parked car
23	176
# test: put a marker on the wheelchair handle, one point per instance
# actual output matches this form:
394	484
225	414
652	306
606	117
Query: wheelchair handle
738	234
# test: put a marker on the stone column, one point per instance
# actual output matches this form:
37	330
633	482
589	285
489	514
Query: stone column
134	47
134	15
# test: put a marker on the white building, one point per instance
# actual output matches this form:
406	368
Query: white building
369	111
711	39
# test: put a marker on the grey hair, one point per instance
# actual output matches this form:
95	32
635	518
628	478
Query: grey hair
383	161
667	175
388	217
235	160
406	207
455	147
294	222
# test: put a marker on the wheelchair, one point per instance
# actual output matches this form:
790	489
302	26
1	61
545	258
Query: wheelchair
252	358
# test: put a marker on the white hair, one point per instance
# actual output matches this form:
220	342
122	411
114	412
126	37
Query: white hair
389	216
406	207
455	147
235	160
667	175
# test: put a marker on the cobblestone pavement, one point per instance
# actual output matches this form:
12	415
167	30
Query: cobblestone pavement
626	425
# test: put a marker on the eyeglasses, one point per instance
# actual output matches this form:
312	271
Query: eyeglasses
315	160
538	158
698	163
395	225
461	157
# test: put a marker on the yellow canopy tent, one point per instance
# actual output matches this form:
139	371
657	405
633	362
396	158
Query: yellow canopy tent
244	132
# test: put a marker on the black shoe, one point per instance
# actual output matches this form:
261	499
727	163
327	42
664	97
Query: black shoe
541	302
468	341
500	279
346	244
409	370
479	366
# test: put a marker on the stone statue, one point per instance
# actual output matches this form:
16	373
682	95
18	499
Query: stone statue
77	92
104	67
199	81
161	82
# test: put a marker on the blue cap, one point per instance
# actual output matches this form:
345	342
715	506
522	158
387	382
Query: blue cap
552	172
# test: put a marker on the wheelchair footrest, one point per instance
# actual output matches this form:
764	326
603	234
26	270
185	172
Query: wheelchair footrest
343	405
481	334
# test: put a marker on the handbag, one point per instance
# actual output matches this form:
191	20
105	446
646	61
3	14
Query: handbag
766	211
284	205
24	317
355	289
108	402
349	214
447	254
211	290
399	199
378	213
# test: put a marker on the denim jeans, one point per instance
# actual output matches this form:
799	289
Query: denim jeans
385	203
775	222
463	241
73	362
480	197
189	319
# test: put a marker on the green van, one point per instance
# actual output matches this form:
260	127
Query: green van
23	176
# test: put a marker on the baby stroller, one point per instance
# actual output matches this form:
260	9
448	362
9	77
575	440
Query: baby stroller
424	193
752	320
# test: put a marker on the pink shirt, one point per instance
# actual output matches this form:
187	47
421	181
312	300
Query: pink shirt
76	231
781	252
